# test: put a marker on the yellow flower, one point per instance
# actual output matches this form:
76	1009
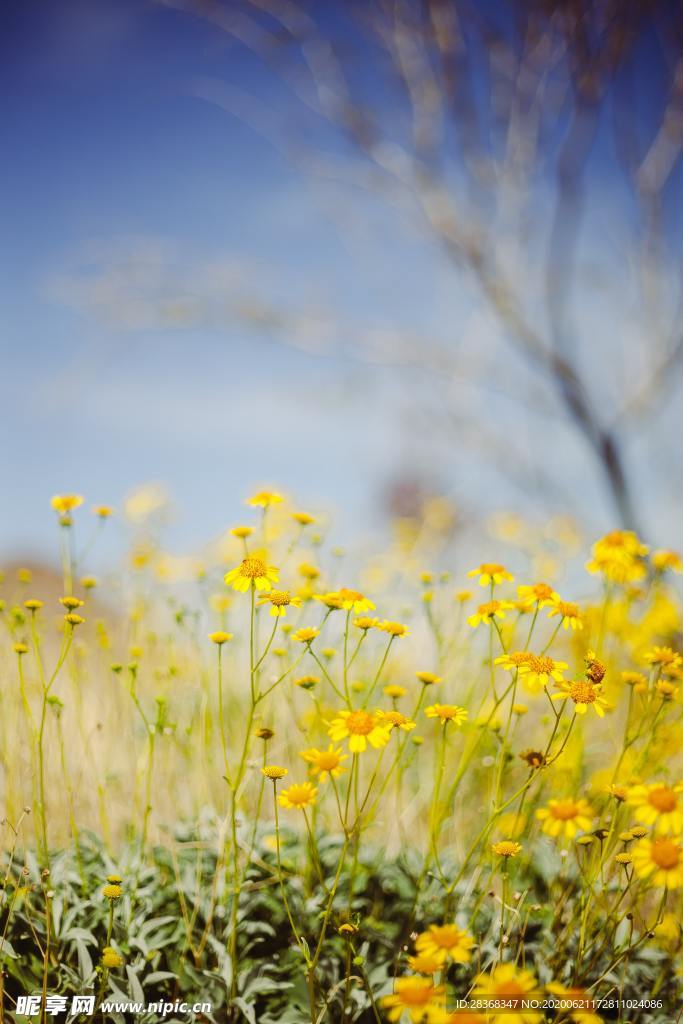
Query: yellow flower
664	657
569	612
365	622
274	772
349	600
219	637
265	498
394	691
506	848
65	503
242	532
20	648
73	619
112	891
658	805
396	629
566	817
619	557
663	560
660	860
538	593
416	996
298	796
447	713
668	932
325	762
489	611
581	1014
305	635
445	942
71	603
665	689
252	572
308	571
361	727
279	601
539	669
508	985
103	511
583	693
428	678
635	679
33	604
425	963
307	682
111	959
303	518
514	661
491	572
396	720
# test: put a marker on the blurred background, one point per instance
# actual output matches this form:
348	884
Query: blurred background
362	253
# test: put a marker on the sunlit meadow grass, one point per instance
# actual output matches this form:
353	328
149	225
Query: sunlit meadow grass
307	787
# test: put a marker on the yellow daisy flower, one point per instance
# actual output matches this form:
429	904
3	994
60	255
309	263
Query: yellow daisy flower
325	762
279	601
489	611
425	963
65	503
396	720
566	817
660	860
663	560
538	593
447	713
252	572
414	995
298	796
361	728
263	499
305	635
445	942
491	572
506	848
509	985
582	1014
570	614
396	629
659	805
539	670
584	694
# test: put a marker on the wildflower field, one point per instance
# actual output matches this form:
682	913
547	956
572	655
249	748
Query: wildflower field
311	785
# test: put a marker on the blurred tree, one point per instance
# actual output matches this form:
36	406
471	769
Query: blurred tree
489	120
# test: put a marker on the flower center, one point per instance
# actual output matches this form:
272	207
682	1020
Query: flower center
564	810
279	597
509	990
252	567
326	760
665	854
662	799
445	937
541	664
360	723
582	692
415	996
299	794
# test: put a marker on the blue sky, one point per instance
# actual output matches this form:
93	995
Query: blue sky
128	204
